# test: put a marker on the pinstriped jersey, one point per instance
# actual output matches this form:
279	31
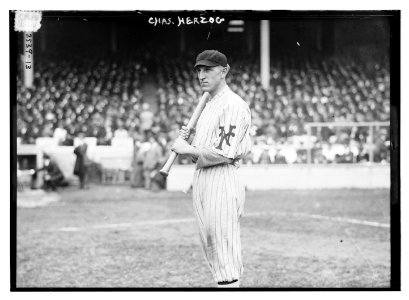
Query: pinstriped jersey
224	125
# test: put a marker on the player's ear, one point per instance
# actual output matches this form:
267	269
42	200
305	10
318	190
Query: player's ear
225	71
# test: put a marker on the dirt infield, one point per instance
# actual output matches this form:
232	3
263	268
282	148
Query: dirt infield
122	237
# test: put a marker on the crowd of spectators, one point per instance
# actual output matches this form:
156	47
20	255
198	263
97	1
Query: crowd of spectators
301	91
102	97
96	97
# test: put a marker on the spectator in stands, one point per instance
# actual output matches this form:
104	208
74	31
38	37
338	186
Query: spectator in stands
82	163
265	155
146	119
60	133
137	162
152	161
120	132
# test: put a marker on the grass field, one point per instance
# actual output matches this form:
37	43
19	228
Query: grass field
123	237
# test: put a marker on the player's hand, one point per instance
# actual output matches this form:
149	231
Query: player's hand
186	134
181	146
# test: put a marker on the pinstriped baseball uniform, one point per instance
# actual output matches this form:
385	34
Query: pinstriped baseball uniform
218	195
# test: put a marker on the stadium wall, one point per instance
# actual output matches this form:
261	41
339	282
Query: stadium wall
109	157
255	177
265	177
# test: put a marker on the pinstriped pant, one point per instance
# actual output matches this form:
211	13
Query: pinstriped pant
218	200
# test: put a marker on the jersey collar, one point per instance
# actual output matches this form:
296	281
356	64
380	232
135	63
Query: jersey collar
220	94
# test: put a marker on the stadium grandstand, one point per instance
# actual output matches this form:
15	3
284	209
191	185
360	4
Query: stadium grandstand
327	99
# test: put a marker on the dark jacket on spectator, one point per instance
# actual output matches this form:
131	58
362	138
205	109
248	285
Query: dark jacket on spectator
82	160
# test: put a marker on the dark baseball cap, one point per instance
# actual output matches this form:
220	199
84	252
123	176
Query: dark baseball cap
211	58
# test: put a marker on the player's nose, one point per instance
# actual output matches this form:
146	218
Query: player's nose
201	74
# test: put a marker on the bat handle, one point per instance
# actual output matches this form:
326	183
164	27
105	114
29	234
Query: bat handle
165	170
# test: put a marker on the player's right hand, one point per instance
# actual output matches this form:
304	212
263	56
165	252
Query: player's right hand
184	132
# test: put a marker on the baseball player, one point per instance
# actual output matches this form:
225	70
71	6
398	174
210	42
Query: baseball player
221	139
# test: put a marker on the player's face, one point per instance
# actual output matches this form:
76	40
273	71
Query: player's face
210	77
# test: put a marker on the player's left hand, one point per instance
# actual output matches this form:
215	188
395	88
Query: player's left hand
181	146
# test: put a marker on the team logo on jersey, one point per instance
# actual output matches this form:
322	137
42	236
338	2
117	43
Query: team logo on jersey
225	136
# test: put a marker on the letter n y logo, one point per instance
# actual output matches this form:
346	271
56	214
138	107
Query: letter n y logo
225	136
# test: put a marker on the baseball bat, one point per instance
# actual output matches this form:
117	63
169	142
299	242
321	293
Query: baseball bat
192	124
